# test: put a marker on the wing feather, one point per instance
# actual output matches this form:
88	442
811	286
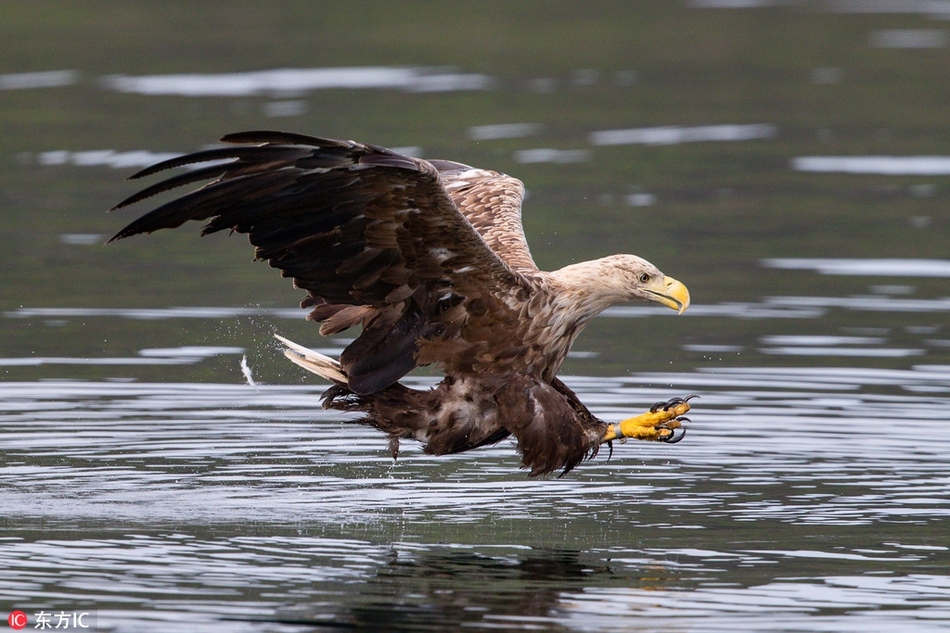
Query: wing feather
362	227
491	202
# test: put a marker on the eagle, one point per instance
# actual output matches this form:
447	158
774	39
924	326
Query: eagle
430	260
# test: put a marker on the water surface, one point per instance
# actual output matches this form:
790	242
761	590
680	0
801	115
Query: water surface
163	467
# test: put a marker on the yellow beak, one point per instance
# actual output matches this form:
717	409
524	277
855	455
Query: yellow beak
670	293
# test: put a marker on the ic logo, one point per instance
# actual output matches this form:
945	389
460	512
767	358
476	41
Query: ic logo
17	620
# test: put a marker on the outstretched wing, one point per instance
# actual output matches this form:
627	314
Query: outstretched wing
491	202
372	235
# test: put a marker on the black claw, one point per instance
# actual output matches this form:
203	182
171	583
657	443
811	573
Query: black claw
677	435
669	404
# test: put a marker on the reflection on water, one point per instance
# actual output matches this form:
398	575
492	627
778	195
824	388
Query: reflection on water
909	38
871	303
299	80
231	507
239	83
107	157
550	155
191	312
41	79
890	165
670	135
865	267
871	604
503	130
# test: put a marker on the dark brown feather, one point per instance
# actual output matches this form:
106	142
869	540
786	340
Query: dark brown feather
354	225
429	258
555	432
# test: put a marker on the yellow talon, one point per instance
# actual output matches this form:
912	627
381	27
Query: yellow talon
657	425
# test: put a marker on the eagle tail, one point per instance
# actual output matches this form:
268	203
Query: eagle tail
314	362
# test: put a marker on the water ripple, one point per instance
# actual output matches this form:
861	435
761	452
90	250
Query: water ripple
226	507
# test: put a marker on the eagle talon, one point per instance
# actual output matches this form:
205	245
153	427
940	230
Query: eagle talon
663	423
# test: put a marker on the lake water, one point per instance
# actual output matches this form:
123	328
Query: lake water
164	468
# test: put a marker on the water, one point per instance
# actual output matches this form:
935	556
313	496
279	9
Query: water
805	499
163	467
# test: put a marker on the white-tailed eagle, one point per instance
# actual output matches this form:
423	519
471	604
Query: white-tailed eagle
430	259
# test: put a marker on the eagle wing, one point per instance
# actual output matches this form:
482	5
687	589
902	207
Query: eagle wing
491	202
372	235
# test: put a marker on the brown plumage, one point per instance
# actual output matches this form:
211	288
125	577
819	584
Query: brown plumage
430	259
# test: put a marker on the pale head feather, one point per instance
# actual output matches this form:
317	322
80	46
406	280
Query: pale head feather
594	286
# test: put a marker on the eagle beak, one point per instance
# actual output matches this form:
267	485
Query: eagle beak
670	293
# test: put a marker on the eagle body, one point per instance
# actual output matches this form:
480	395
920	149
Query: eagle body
470	411
429	259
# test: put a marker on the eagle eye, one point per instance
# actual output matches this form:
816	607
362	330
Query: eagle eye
644	278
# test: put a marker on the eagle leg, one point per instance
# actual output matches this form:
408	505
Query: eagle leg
662	423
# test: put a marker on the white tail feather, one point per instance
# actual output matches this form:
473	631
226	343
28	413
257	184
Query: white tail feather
312	361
